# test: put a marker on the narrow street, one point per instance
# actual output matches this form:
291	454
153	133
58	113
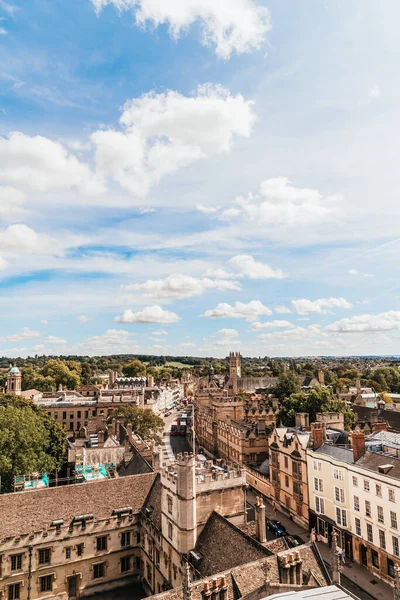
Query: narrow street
173	445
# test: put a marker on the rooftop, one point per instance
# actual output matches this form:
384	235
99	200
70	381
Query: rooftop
330	592
337	452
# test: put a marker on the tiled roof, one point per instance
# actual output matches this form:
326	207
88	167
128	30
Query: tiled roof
223	546
152	506
373	460
30	511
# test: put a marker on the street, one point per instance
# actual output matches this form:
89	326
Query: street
173	445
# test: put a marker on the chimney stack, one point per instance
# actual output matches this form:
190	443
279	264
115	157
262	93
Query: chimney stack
302	420
101	435
358	443
317	435
129	429
150	381
260	521
321	377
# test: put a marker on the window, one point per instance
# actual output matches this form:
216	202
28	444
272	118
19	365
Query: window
286	481
46	583
68	552
382	539
318	485
390	567
44	556
395	542
338	474
319	505
169	500
370	536
356	503
101	543
358	526
375	559
98	570
79	549
341	517
317	465
126	538
393	520
170	531
16	562
286	462
339	495
125	564
391	495
366	485
380	514
367	508
14	591
64	415
355	481
378	490
138	537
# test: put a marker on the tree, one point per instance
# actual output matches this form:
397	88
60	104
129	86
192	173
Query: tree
144	422
134	369
288	384
316	400
29	440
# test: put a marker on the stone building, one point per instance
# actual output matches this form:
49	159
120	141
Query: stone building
14	381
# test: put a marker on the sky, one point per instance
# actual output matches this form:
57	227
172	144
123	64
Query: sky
190	178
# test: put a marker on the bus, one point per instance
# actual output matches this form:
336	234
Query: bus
174	428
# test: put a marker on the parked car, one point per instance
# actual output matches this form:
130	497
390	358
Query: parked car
293	541
276	527
168	414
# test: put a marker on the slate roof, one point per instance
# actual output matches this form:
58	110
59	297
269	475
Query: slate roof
373	460
332	592
223	546
391	416
342	454
152	505
137	465
31	511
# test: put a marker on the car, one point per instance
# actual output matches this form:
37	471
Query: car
276	527
168	414
293	541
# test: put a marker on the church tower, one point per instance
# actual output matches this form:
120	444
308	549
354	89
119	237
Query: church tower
234	365
14	381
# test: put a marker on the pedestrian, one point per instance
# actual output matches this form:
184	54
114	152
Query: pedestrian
343	557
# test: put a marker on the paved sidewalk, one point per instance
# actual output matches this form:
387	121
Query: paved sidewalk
352	571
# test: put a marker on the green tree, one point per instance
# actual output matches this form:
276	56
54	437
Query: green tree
144	422
134	369
316	400
29	440
288	385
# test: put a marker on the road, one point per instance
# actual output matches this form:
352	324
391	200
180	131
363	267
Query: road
173	445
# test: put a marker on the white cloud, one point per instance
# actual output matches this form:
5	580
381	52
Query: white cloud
354	272
23	334
179	286
38	163
160	332
82	319
150	314
227	333
163	132
51	339
111	340
229	25
147	210
239	310
387	321
207	210
374	92
219	274
246	266
257	326
10	204
187	345
320	306
8	8
3	31
3	264
297	333
44	322
283	310
280	203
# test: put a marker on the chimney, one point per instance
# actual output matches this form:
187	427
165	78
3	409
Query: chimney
321	377
380	426
215	590
101	435
317	435
260	521
129	428
150	381
109	430
223	589
358	443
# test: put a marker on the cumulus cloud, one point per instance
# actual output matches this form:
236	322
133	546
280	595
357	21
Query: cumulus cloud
283	310
3	264
297	333
246	266
228	334
10	204
207	210
257	326
250	312
3	31
355	273
150	314
23	334
82	319
112	339
179	286
38	163
278	202
187	345
161	133
387	321
320	306
160	332
51	339
229	25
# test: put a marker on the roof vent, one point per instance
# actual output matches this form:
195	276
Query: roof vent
385	468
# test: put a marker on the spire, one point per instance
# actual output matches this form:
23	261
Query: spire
187	583
335	559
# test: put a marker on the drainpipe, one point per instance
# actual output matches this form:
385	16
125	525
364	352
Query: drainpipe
30	573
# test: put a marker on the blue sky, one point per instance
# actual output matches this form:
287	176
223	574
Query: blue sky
191	178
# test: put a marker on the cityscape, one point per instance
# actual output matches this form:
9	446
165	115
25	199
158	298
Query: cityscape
199	300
